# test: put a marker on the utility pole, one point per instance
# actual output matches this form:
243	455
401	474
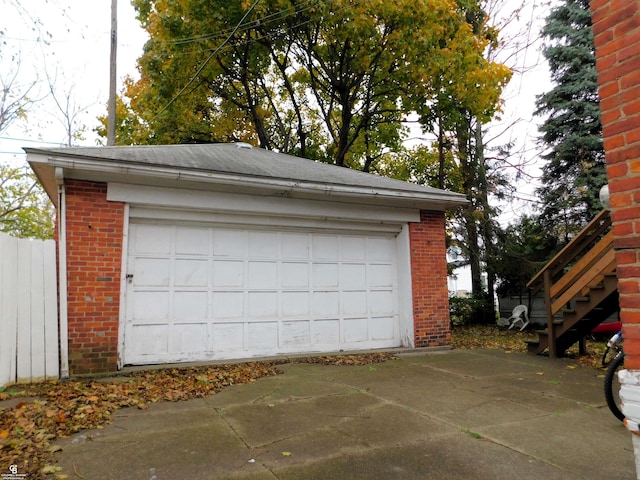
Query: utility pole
111	106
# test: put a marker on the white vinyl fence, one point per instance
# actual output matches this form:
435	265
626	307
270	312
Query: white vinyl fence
28	311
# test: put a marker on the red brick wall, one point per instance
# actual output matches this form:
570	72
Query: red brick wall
429	280
94	252
616	26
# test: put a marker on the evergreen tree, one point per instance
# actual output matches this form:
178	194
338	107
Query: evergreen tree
572	132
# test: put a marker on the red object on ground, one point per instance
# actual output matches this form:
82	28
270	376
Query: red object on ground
608	327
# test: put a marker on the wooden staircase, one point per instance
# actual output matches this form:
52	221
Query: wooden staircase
580	287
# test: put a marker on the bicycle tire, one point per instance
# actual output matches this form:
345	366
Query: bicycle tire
605	356
612	387
609	354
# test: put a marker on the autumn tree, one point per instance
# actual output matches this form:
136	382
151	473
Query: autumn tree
332	81
572	132
25	210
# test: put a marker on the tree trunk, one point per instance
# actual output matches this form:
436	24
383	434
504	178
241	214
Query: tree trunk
486	226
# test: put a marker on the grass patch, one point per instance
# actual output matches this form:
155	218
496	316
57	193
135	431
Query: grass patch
471	433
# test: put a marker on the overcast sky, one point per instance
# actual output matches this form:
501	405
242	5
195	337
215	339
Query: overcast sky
71	38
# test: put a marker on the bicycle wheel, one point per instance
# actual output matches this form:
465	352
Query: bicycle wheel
612	386
609	354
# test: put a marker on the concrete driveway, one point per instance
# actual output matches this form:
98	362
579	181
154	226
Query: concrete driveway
428	415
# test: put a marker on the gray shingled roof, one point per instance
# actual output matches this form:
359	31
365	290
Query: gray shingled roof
233	159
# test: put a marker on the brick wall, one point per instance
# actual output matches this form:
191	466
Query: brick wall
616	26
94	252
429	280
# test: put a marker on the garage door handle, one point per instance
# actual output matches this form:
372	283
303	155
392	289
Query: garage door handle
129	277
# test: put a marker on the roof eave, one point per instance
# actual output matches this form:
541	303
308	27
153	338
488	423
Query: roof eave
44	166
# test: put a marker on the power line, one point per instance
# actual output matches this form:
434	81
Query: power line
280	15
14	139
207	60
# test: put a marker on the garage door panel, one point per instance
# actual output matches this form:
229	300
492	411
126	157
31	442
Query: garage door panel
378	249
211	292
352	249
380	275
294	334
191	273
356	330
263	304
190	305
353	276
263	274
229	243
227	337
382	302
325	332
149	340
263	244
228	273
295	304
294	246
294	274
326	304
192	241
382	328
354	303
262	336
152	272
150	239
150	307
189	339
325	247
228	305
325	275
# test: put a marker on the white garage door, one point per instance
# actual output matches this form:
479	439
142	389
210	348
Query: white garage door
205	293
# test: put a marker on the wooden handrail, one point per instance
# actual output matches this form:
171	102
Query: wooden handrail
605	264
594	228
592	255
578	270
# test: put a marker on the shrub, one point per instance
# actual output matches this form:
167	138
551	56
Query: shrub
467	310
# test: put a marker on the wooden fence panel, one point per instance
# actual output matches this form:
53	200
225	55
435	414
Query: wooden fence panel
28	311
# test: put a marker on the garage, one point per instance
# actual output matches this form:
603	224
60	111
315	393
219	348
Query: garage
183	253
197	292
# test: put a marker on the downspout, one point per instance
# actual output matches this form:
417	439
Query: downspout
62	274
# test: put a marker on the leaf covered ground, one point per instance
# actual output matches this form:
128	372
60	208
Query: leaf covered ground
32	417
490	337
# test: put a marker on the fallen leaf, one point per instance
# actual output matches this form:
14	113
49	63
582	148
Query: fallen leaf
286	454
4	433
